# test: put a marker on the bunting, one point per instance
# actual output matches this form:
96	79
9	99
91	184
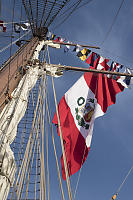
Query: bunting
83	54
126	81
53	36
2	26
77	48
67	48
21	26
92	60
115	67
95	60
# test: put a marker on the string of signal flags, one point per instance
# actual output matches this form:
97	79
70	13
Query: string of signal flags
95	60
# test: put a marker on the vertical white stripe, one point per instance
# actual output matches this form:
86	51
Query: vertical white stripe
81	89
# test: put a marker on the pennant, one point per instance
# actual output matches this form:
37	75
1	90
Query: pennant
83	54
77	48
115	67
2	26
102	64
67	48
25	26
49	35
53	36
92	60
88	99
19	26
126	81
59	39
98	62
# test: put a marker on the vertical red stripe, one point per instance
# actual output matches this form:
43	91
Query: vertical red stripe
75	147
104	88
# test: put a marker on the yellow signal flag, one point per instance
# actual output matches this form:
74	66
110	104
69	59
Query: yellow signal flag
83	51
53	36
83	54
114	196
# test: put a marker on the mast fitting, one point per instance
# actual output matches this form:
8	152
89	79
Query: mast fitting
52	70
40	32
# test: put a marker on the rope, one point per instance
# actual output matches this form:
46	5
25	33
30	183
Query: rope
59	176
61	138
10	50
69	14
27	148
6	47
42	140
62	146
29	174
122	184
36	171
28	156
46	133
13	22
112	22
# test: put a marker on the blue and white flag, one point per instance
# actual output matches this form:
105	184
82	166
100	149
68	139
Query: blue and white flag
77	48
126	81
21	26
67	47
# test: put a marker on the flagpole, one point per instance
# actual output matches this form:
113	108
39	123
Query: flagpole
72	44
81	69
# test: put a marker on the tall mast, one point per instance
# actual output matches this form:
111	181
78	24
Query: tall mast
13	70
18	77
15	84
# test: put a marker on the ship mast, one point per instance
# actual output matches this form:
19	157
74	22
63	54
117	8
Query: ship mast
18	80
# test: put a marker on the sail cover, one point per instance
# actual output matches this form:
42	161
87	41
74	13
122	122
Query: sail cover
9	120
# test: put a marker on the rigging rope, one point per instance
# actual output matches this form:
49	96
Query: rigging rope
8	82
61	139
42	110
76	6
36	170
47	152
6	47
112	22
52	134
62	146
23	164
122	184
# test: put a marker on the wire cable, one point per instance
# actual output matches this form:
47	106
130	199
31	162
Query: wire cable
3	49
114	20
122	184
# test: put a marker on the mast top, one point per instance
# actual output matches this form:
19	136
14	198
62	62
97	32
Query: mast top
40	32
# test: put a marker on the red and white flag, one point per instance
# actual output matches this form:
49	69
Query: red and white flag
88	99
2	26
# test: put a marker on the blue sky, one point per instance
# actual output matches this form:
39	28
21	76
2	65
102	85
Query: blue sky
111	153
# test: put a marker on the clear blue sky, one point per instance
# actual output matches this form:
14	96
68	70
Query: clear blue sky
111	154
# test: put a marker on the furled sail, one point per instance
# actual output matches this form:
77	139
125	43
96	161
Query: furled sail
9	120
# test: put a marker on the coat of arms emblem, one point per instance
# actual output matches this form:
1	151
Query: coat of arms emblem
84	111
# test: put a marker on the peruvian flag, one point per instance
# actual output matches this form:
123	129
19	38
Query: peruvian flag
86	100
